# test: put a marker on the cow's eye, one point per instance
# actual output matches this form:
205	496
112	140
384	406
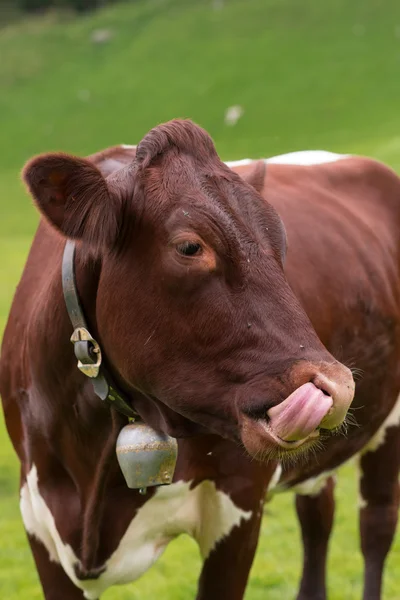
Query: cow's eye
189	248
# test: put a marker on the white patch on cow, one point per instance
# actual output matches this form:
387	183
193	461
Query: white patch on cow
239	163
205	513
362	502
214	515
304	157
128	147
36	517
274	481
392	420
39	522
314	485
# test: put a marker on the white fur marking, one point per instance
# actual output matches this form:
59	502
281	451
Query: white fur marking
392	420
127	147
314	485
304	157
362	503
204	512
272	486
216	516
239	163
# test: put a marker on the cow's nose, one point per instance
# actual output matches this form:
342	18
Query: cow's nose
321	402
340	388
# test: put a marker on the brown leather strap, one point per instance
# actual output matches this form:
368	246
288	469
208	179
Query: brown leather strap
86	349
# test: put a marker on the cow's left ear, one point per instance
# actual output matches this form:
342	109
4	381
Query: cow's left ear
74	196
256	176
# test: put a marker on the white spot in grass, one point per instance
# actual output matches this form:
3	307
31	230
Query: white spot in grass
358	29
101	36
218	4
233	114
84	95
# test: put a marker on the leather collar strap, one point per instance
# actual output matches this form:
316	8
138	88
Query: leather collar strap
86	349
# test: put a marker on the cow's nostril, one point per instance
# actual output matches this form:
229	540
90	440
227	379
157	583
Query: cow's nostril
335	386
323	384
324	391
257	412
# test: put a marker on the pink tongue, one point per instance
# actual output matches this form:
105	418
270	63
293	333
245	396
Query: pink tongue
300	414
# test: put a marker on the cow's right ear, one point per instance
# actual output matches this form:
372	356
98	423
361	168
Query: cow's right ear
74	196
256	176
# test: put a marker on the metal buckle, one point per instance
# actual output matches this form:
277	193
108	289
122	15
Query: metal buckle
87	351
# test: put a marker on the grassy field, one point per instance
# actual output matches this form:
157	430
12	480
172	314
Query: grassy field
308	74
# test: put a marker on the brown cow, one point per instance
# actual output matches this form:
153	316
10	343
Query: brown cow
180	272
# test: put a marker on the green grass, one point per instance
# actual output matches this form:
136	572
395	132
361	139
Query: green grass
308	74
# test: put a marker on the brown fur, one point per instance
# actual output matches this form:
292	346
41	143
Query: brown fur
179	134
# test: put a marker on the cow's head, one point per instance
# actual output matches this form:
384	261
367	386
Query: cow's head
192	305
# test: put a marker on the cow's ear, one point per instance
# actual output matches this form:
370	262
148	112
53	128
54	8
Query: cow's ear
256	175
74	196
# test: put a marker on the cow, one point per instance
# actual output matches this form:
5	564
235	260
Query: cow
218	333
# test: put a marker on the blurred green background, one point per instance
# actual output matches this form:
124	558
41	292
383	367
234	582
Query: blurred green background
315	74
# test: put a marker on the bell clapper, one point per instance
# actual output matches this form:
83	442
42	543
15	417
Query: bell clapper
143	491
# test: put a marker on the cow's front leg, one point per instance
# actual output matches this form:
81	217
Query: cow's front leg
315	514
379	495
55	582
226	568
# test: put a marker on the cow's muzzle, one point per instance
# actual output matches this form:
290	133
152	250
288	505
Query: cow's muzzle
320	403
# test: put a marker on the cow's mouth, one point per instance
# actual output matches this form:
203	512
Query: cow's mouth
263	444
290	444
293	425
300	415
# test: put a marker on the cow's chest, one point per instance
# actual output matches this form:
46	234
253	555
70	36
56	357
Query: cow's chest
203	512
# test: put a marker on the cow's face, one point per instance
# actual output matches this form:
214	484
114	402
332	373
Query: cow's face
192	306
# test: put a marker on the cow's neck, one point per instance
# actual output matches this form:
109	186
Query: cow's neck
69	407
69	432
